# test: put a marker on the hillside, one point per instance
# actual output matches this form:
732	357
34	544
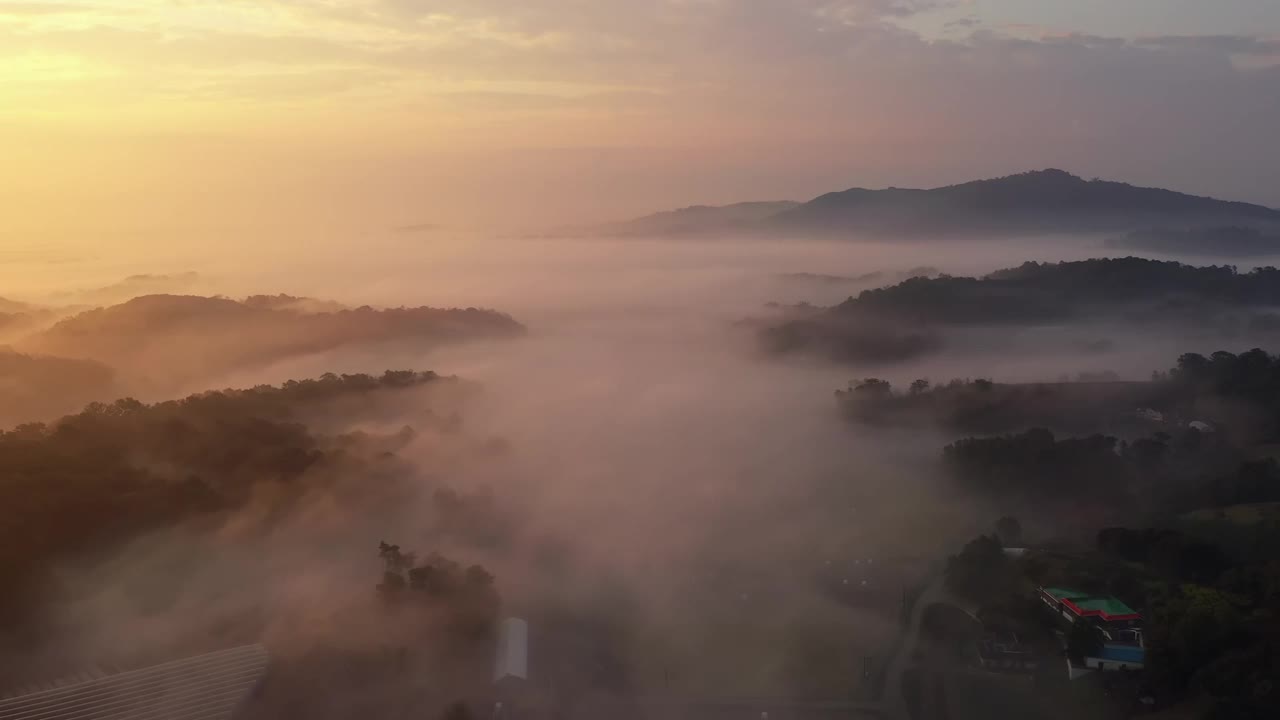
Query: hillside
1041	292
179	337
902	321
40	387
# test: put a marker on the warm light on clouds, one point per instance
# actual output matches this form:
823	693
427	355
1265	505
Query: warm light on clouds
193	110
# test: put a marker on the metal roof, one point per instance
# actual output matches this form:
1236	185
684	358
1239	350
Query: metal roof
205	687
1107	607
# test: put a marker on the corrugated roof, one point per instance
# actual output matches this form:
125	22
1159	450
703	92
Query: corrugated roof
205	687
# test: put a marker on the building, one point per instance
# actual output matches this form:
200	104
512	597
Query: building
1121	626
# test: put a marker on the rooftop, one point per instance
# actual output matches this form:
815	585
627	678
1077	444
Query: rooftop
1085	604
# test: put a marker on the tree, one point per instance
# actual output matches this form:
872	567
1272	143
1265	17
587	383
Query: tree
981	572
873	386
919	386
1009	530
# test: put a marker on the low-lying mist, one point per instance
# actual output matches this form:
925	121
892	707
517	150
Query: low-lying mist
670	495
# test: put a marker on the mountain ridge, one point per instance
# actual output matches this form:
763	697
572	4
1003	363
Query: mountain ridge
1036	202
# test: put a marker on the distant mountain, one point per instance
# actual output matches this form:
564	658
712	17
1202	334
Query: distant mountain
1038	202
693	220
1044	201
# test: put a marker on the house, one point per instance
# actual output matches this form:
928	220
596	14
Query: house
1121	627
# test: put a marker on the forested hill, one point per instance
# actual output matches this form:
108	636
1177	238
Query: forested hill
117	470
905	320
192	337
1035	292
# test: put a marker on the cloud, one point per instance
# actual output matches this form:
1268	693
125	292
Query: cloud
19	9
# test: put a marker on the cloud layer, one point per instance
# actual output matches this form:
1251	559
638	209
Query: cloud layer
661	101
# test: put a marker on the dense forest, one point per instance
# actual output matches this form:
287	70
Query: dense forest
176	489
889	323
114	471
1188	529
1044	292
1233	394
1209	590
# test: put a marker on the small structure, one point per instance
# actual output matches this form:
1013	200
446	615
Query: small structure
512	659
1120	625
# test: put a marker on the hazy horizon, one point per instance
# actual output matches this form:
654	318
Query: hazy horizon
120	117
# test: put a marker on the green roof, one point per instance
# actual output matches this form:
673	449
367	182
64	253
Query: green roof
1108	606
1064	594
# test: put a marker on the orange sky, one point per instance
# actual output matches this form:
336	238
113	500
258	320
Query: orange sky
173	114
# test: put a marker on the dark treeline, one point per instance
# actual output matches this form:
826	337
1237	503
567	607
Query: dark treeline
1236	394
1177	463
1046	292
864	341
903	321
1152	475
982	406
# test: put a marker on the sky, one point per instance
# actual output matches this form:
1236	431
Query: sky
178	116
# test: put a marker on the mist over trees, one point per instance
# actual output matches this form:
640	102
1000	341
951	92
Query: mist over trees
112	472
163	345
922	315
176	334
1228	241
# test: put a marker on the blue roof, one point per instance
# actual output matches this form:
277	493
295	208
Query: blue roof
1122	653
